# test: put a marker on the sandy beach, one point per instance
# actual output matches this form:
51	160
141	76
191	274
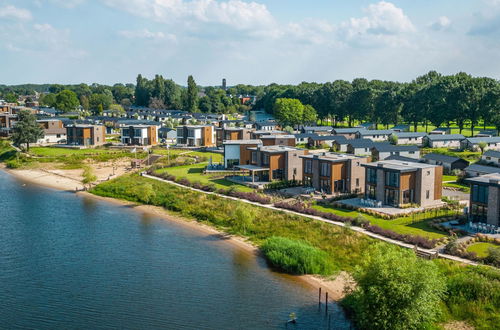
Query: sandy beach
69	180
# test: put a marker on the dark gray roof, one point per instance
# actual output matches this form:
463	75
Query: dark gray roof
386	147
482	168
492	153
338	138
493	139
376	132
318	128
403	159
442	158
445	137
409	134
304	135
349	130
364	143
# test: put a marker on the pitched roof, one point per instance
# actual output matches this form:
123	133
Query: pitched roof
482	168
476	140
339	138
409	134
403	159
364	143
386	147
442	158
492	153
445	137
376	132
348	130
317	128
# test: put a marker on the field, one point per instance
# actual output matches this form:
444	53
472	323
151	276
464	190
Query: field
403	225
194	173
481	249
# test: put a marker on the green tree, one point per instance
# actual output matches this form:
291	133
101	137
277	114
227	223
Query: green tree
396	290
393	139
482	145
48	100
67	101
84	101
11	98
288	112
88	176
309	114
26	130
104	100
191	96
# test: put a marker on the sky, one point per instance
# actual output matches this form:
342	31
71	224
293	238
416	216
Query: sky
249	42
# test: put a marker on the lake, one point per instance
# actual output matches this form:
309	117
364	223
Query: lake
73	262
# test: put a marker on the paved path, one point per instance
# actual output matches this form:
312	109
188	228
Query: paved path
336	223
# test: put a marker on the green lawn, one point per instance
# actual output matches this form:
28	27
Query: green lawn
481	249
403	225
216	157
450	178
57	152
460	186
194	173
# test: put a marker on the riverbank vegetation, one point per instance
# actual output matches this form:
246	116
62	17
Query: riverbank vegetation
471	294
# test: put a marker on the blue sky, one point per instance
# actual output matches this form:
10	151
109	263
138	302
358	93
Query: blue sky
255	42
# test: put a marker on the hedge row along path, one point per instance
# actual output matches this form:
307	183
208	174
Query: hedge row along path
336	223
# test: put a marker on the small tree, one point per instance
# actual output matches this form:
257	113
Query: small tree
26	130
88	176
396	290
482	145
393	139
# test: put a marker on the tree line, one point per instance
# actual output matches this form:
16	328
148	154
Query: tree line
433	98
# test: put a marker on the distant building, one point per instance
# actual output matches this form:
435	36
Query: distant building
85	135
381	151
398	183
443	140
413	138
278	140
224	85
440	131
401	128
319	130
491	157
476	170
492	143
374	135
349	133
449	163
487	133
53	130
231	134
196	135
139	135
334	173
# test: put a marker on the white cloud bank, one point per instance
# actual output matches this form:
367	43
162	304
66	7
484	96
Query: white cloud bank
10	11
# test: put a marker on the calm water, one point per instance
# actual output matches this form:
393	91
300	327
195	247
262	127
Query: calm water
68	262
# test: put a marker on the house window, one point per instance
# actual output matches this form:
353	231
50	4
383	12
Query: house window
339	186
357	182
308	166
325	169
370	192
371	175
392	197
479	213
427	194
479	194
232	163
307	181
392	179
254	157
324	185
265	159
408	196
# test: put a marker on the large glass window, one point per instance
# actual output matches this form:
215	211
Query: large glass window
392	197
307	181
392	179
278	174
371	175
479	213
265	159
408	196
480	194
254	157
325	186
371	192
339	186
326	169
308	166
232	163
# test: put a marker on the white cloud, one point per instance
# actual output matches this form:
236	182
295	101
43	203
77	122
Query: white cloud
234	13
384	24
442	23
10	11
146	34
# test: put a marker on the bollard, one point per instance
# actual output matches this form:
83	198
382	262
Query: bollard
319	297
326	302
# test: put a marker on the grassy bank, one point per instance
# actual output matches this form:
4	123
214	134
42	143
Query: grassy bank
472	293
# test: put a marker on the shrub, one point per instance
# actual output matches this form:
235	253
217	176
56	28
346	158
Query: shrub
395	290
296	257
493	257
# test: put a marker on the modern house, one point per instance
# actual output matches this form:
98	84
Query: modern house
440	131
487	133
362	147
85	135
139	135
443	140
269	163
374	135
367	126
492	143
53	130
348	133
255	135
491	157
398	183
236	152
303	137
278	140
267	125
449	163
196	135
381	151
413	138
231	133
319	130
485	199
321	140
333	173
401	128
167	135
476	170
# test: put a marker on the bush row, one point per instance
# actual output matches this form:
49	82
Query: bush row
360	221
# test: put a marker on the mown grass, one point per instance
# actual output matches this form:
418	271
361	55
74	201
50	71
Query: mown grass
402	225
194	173
450	178
216	157
481	248
459	186
471	156
473	293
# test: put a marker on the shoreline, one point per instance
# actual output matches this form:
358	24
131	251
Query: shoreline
334	287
